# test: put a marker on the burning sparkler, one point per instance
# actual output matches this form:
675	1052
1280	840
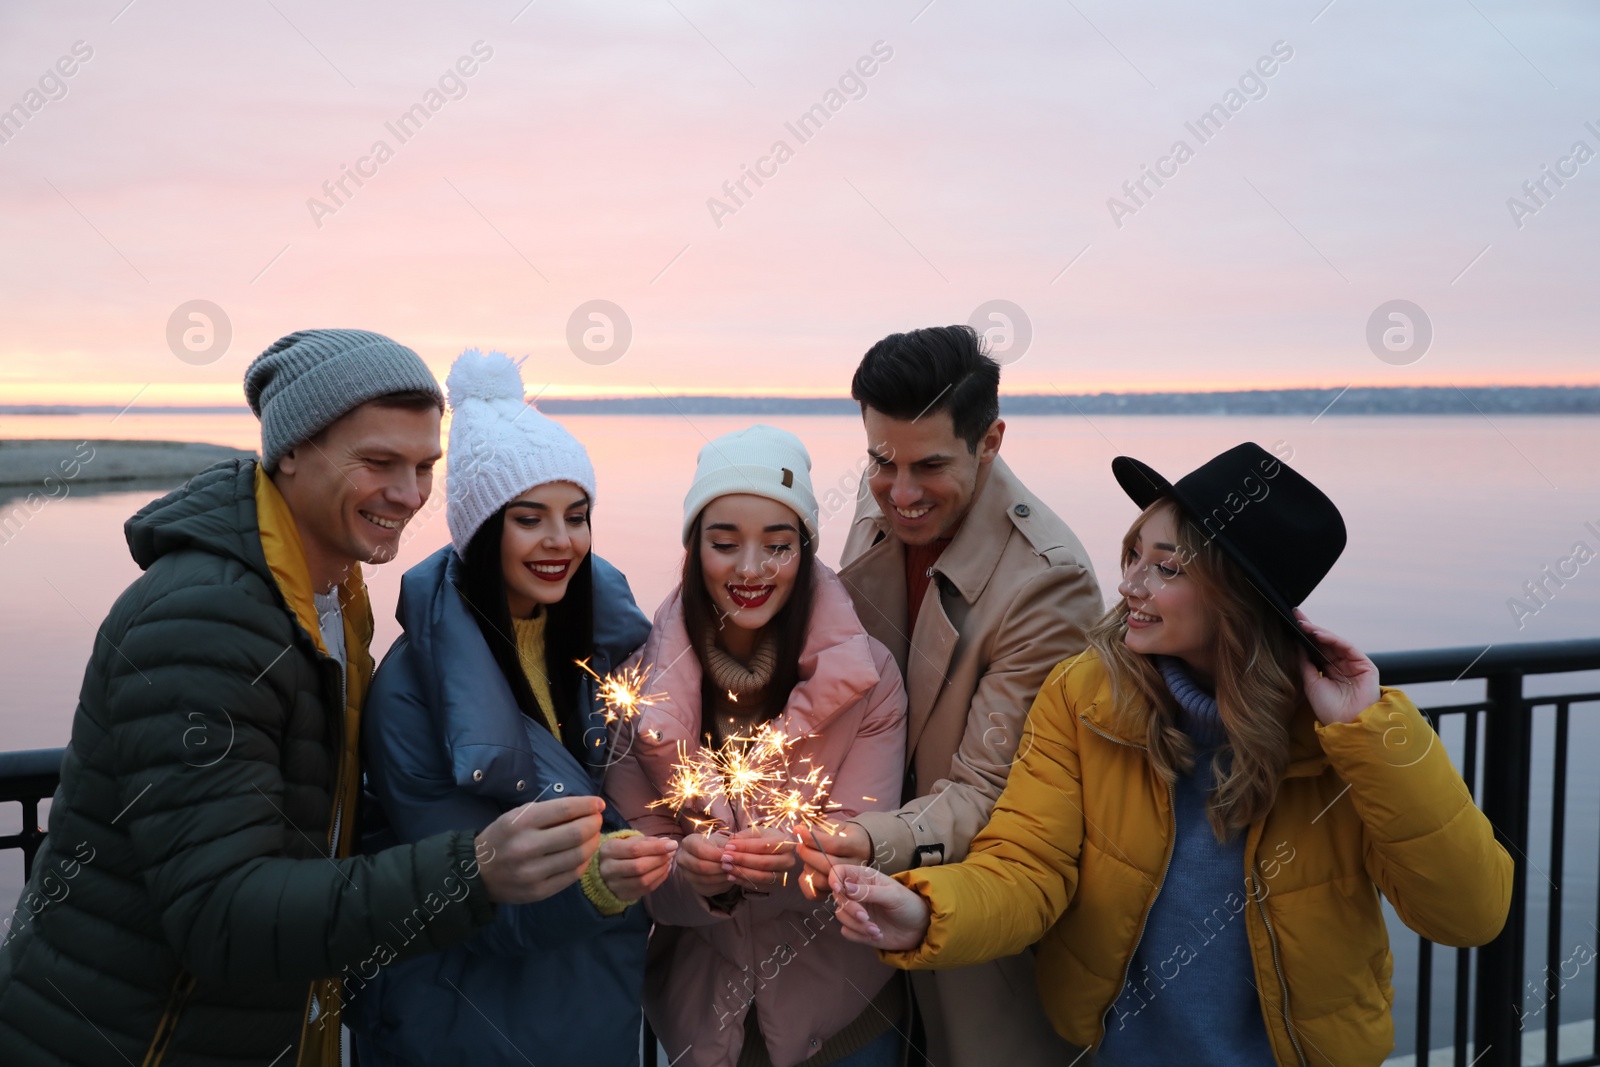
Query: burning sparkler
623	691
754	774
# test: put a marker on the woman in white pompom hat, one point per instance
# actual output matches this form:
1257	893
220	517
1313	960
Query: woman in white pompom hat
760	635
482	706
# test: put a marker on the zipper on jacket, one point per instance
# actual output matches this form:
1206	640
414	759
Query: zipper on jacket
167	1025
1172	840
1288	1023
338	778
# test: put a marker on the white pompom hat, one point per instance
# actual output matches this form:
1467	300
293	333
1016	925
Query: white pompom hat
500	445
759	460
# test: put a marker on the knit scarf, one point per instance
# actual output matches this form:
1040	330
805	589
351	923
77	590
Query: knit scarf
1199	717
733	676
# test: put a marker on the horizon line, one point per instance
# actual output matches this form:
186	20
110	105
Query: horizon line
38	408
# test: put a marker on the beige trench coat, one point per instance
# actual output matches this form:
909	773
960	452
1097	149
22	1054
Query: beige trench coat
1012	597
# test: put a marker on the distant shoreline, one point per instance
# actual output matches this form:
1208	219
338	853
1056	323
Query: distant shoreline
1353	400
57	466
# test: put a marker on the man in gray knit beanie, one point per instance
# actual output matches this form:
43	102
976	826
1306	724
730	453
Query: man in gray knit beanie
306	380
349	438
220	789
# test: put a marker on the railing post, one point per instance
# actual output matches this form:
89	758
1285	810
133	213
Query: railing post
1508	740
32	837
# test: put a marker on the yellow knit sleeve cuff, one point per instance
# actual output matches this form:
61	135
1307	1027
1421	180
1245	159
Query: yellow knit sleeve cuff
594	887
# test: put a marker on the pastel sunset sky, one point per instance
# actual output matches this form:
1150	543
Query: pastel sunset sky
958	153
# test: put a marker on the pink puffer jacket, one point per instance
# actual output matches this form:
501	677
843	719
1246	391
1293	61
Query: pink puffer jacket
784	950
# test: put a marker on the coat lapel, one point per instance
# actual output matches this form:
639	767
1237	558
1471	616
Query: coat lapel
876	581
933	646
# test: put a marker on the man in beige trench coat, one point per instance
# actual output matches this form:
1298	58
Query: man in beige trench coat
979	590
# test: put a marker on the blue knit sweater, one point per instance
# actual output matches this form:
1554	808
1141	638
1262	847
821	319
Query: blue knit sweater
1190	995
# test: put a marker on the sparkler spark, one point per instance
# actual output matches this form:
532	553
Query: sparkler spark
754	774
622	692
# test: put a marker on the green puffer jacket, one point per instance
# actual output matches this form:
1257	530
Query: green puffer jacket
185	900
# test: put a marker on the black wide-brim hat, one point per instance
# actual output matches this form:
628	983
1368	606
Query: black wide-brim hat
1282	531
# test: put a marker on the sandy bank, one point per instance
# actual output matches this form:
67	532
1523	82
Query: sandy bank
31	462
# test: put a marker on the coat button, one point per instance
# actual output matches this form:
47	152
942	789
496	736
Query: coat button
477	776
521	785
1023	511
559	788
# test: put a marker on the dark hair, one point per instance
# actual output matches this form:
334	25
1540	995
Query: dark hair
568	632
788	626
938	368
410	400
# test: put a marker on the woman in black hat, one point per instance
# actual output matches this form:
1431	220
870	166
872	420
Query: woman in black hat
1207	805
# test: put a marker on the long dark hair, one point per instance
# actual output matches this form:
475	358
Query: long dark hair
568	632
788	627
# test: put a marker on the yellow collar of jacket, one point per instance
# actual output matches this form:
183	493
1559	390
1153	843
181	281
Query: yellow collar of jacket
286	558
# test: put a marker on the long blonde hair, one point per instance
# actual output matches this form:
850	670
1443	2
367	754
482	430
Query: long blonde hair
1257	663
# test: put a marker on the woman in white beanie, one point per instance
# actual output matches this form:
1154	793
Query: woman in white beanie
743	969
481	707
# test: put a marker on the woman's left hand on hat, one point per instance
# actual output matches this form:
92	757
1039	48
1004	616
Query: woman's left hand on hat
1342	687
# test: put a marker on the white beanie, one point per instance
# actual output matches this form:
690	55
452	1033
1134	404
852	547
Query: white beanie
500	445
759	460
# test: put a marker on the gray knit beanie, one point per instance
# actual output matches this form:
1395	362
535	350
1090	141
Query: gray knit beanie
305	381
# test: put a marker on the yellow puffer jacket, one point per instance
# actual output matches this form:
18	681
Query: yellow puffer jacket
1078	845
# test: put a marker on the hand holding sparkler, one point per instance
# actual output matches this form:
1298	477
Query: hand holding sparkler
700	860
823	848
535	851
632	867
876	910
759	859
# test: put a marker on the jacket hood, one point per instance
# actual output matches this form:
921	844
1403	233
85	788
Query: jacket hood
461	678
215	512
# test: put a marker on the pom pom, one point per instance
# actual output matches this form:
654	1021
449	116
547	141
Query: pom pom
476	376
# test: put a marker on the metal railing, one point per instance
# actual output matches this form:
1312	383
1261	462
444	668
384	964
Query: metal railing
1497	731
27	778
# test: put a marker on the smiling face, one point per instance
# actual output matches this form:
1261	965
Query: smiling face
923	476
545	537
353	487
1168	615
749	557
